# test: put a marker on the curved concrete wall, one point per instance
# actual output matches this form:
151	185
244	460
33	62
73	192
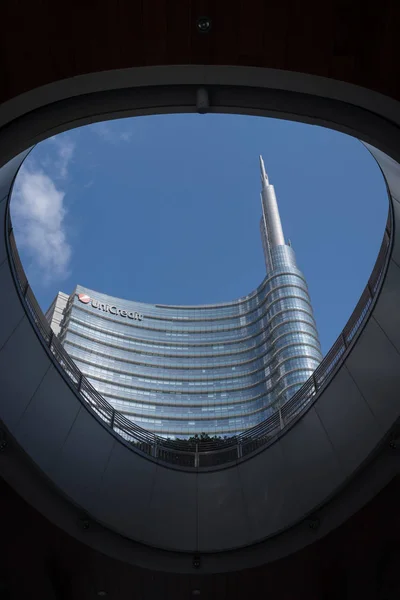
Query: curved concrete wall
214	511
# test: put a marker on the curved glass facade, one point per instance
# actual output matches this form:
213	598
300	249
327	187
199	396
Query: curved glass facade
183	370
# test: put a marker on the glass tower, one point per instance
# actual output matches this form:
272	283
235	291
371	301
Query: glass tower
220	368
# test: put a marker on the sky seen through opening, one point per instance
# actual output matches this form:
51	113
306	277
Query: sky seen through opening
166	209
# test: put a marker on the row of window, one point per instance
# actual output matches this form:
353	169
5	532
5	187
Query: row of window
264	364
281	325
171	323
162	357
296	300
241	305
269	389
285	361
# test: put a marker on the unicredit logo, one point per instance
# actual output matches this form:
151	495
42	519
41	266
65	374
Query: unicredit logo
84	298
113	310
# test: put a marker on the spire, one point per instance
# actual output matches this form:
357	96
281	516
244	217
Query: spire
272	220
264	176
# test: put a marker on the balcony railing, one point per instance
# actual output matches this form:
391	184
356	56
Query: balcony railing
204	454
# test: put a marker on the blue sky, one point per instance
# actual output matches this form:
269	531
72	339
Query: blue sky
165	209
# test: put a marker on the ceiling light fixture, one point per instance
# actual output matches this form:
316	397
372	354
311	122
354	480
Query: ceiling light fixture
203	25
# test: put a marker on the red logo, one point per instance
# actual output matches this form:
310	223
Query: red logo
84	298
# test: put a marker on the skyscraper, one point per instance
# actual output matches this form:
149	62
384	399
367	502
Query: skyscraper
184	370
290	313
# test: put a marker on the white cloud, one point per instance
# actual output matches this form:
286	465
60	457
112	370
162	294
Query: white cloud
38	217
64	149
38	212
111	134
